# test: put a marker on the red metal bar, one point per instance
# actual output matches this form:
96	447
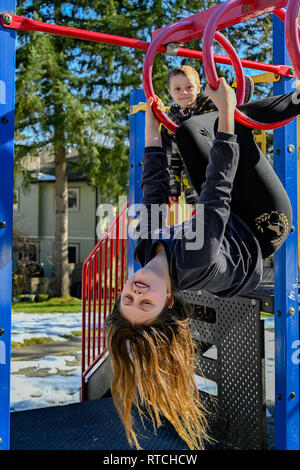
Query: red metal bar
126	254
208	37
117	260
105	276
89	313
292	34
280	13
162	36
84	276
94	303
123	254
148	66
99	295
111	257
26	24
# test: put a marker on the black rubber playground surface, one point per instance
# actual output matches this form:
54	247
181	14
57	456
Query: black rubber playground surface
90	425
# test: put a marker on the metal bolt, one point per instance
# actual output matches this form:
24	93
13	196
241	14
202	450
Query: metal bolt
253	302
0	440
291	311
1	332
7	19
172	49
291	148
2	224
4	120
292	228
277	151
279	396
292	395
278	313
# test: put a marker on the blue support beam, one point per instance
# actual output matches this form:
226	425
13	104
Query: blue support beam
286	273
137	144
7	105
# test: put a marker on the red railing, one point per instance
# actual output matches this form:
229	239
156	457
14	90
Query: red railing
103	275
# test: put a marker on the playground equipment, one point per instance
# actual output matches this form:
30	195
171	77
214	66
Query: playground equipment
285	296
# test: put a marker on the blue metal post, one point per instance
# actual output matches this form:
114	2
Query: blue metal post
286	273
7	92
137	144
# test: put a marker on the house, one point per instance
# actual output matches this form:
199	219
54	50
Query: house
34	225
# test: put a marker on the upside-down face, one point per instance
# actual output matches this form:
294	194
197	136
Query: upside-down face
144	296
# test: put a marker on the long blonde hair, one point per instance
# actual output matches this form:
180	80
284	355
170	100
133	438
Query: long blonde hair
153	368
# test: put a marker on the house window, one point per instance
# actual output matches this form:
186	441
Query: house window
73	253
29	252
73	199
16	199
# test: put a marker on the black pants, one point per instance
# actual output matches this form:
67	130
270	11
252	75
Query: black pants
258	195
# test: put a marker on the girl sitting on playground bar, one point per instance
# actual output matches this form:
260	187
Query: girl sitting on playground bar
245	215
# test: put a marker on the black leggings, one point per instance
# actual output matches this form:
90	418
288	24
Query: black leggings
258	195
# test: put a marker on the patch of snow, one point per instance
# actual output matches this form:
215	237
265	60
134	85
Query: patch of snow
38	391
50	380
52	325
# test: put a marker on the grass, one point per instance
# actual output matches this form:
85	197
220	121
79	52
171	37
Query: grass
72	334
53	305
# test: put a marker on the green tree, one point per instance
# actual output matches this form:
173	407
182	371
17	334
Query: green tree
55	112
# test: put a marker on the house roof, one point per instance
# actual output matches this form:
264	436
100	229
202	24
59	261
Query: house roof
47	172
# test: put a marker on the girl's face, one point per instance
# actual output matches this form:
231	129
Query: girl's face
144	296
184	90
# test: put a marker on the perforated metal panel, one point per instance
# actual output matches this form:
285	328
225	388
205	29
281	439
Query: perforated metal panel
234	327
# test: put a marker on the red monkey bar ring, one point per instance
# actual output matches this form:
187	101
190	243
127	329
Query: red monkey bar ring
148	65
209	66
292	34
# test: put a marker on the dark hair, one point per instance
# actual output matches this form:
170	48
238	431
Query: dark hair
153	367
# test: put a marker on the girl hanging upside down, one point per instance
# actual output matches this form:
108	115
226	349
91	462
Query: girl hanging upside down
243	216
